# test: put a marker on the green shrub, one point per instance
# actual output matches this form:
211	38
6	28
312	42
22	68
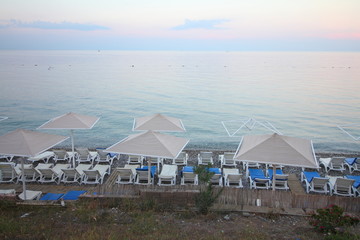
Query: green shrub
206	197
331	219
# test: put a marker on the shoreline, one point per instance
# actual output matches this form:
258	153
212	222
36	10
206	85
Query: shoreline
322	154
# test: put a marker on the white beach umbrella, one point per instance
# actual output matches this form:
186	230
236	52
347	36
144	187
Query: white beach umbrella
71	121
277	150
150	143
158	122
26	143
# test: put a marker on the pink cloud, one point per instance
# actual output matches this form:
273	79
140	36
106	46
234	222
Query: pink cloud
343	36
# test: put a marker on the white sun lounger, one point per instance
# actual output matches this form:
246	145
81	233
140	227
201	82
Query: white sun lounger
205	158
227	159
6	157
29	174
62	155
341	186
96	174
7	172
86	156
134	159
334	163
30	195
127	174
257	179
54	174
181	159
104	157
45	157
232	177
74	175
315	183
168	175
353	164
7	192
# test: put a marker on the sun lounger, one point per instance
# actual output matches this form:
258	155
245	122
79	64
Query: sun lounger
188	176
217	178
315	183
168	175
72	195
51	197
104	157
29	174
74	175
45	157
7	192
353	164
334	163
205	158
86	156
30	195
227	160
356	185
232	177
281	179
142	175
54	174
6	157
257	179
134	159
7	172
96	174
341	186
248	165
62	155
181	159
127	174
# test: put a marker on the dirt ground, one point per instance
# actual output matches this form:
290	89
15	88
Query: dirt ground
93	222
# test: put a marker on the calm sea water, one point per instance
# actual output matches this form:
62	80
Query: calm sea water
301	94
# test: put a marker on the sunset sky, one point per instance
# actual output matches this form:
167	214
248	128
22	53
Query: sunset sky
220	25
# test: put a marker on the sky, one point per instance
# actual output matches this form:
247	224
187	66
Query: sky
190	25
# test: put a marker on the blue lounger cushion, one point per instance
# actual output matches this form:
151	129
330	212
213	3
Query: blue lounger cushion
51	196
278	172
350	161
215	170
257	173
357	180
72	195
310	175
145	168
188	169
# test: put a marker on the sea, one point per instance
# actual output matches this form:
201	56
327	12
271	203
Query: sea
219	96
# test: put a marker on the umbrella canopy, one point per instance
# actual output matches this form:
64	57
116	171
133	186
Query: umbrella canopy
150	143
158	122
26	143
70	121
278	150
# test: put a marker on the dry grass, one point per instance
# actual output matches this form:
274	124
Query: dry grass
130	219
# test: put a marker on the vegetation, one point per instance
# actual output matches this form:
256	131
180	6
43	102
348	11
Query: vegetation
133	218
207	195
332	220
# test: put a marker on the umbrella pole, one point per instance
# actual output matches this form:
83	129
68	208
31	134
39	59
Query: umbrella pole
149	171
23	177
72	146
274	177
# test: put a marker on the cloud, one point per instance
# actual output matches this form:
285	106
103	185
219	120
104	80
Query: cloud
201	24
51	25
